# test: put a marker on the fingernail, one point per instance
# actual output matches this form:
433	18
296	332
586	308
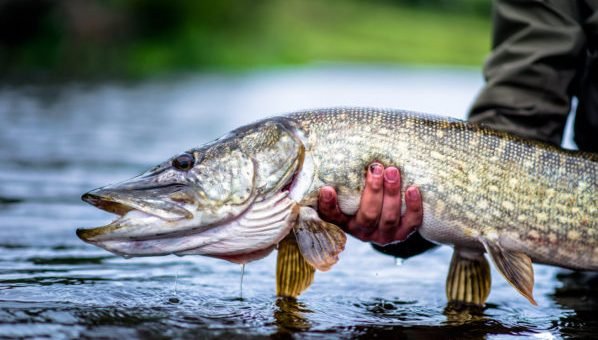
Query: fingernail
326	195
412	194
391	174
376	169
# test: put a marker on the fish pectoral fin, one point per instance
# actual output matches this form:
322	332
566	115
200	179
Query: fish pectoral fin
516	267
293	274
319	242
468	280
314	244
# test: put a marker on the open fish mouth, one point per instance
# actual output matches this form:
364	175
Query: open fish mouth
136	218
241	238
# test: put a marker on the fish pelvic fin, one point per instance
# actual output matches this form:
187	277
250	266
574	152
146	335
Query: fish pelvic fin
319	242
516	267
468	281
293	274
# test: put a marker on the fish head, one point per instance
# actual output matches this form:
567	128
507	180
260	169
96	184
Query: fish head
225	199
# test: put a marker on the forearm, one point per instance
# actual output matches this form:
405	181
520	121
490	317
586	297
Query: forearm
537	46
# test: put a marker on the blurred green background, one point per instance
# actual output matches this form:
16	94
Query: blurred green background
138	38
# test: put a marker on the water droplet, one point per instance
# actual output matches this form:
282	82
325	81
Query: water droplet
175	299
399	261
241	283
176	277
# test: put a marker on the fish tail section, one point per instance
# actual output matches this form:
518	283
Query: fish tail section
468	281
293	274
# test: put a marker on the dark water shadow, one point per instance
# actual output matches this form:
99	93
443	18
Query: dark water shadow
110	316
386	308
579	293
9	200
50	281
479	329
69	260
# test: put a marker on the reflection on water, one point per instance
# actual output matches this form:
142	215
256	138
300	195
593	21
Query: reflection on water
57	142
290	315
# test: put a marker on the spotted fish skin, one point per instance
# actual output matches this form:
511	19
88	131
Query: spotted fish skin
476	182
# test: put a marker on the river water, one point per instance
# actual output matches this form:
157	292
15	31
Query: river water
58	141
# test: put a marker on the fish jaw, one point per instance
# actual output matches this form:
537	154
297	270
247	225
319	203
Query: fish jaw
134	224
246	238
137	217
124	197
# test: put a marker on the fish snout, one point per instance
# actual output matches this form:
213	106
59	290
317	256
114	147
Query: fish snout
102	199
84	234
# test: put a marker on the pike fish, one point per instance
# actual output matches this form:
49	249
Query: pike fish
255	189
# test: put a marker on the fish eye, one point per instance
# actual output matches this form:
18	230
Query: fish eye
183	162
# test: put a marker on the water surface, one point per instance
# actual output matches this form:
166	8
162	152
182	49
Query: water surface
59	141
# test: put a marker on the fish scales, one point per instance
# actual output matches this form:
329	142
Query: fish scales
475	181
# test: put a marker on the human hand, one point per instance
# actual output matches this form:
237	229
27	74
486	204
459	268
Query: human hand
378	218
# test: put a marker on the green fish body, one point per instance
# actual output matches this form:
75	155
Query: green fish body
484	191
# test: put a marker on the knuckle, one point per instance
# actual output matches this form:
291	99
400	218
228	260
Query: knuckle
414	209
375	183
370	217
389	223
375	187
390	215
412	223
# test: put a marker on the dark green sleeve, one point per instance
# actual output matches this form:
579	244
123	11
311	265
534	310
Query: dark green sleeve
530	75
586	119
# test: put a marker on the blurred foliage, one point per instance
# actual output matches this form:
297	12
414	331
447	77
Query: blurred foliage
142	37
